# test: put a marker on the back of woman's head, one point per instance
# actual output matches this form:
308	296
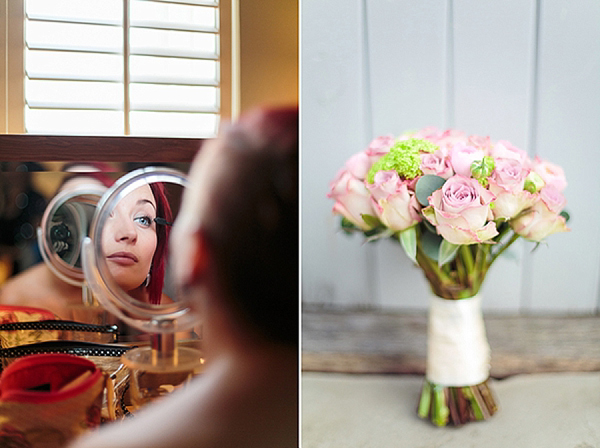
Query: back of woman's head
252	224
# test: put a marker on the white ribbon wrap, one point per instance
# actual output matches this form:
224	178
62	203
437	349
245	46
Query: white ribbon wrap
458	353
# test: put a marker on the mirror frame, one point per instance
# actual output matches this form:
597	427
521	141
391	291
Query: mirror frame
66	272
164	318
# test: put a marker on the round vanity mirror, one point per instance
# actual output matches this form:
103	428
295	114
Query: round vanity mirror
126	265
126	256
66	221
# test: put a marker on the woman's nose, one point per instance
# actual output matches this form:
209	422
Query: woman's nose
124	230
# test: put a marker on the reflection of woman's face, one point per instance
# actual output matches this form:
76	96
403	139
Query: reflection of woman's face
129	238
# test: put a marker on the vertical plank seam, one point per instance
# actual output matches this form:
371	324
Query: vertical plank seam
527	268
366	73
449	109
370	255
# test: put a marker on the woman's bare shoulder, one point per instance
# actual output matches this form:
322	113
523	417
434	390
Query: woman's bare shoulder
37	287
24	284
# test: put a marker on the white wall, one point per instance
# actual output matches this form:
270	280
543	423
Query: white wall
520	70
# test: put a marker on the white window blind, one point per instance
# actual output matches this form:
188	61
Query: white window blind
114	67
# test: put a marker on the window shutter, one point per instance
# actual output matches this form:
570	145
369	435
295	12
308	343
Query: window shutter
114	67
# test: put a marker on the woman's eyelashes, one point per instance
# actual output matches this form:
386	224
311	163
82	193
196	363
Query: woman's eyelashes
144	220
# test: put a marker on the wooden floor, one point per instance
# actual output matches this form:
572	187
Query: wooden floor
371	342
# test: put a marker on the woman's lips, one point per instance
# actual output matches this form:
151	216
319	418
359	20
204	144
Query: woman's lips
123	258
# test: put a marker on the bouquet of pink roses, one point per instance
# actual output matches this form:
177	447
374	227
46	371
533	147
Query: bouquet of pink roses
455	203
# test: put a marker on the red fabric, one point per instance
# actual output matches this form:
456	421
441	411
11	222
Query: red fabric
54	369
8	313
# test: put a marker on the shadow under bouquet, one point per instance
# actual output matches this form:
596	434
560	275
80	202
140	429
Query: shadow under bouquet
455	202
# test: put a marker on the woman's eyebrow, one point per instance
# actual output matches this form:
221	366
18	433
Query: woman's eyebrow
142	201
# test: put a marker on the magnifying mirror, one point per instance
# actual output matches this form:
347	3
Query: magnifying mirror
128	241
65	222
126	265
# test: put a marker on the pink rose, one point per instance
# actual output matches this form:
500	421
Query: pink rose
380	145
430	133
553	198
543	218
482	143
395	204
460	211
505	150
550	173
462	156
352	198
507	183
450	137
437	164
359	165
444	139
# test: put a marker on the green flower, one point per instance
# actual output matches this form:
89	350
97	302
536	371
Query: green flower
482	169
404	158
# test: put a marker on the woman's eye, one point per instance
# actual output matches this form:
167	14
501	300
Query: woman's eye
146	221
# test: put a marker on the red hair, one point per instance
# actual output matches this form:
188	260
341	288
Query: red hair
157	268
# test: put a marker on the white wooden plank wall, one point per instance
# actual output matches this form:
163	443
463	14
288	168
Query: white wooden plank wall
336	269
565	277
526	71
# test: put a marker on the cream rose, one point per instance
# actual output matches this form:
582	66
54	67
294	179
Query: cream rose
543	218
396	206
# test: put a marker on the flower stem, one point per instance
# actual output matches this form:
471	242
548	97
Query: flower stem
438	279
481	265
463	274
505	246
467	257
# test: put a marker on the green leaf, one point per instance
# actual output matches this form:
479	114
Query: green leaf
426	185
408	239
565	214
377	234
347	224
430	243
447	252
370	220
430	227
